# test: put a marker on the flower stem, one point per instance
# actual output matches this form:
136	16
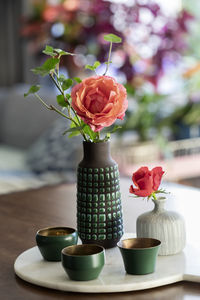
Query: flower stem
98	135
108	62
51	107
59	88
154	196
69	107
42	101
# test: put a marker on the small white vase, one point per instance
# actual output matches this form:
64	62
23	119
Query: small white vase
166	226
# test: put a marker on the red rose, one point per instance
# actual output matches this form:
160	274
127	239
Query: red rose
146	181
99	101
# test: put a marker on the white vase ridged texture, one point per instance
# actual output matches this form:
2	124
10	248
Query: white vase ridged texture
166	226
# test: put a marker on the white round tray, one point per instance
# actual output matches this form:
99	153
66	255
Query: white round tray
31	267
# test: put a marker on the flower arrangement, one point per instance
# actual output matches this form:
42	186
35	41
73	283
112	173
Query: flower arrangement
147	182
94	103
153	42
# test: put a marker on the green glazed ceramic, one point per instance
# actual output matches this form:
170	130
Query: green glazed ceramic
52	240
139	255
83	262
99	209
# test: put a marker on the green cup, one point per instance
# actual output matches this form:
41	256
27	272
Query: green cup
52	240
83	262
139	255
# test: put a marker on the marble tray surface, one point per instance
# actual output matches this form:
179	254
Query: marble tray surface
31	267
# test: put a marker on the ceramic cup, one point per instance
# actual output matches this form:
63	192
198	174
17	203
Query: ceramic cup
52	240
83	262
139	255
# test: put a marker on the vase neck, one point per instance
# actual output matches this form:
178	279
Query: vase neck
159	204
97	153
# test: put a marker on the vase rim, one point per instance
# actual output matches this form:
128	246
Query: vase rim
100	142
160	199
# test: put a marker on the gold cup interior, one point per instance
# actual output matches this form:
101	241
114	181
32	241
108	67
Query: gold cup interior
56	231
139	243
82	250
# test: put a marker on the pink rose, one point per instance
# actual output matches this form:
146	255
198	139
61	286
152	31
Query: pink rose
99	101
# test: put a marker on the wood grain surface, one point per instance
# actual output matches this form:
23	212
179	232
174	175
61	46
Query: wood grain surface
23	213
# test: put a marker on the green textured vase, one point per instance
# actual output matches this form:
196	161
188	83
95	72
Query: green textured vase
99	211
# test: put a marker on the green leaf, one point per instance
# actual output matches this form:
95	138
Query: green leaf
61	100
107	137
89	67
74	129
108	62
77	120
87	130
116	127
77	79
108	134
161	191
73	125
49	51
62	52
112	38
47	67
96	64
67	83
75	133
33	89
68	96
61	78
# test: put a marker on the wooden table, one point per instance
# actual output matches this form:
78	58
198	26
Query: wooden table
23	213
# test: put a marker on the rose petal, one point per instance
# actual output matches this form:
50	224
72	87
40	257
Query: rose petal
131	189
138	192
107	108
157	174
146	184
139	174
141	193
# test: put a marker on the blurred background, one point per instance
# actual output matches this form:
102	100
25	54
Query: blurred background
158	62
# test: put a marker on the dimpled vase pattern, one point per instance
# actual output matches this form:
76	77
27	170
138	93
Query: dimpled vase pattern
99	211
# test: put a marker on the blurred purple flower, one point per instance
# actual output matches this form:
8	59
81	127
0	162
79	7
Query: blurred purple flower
139	26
